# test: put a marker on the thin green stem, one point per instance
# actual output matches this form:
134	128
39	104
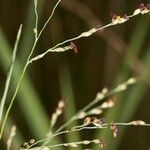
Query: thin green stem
17	88
36	18
96	100
12	100
3	100
50	17
27	63
84	127
82	35
65	125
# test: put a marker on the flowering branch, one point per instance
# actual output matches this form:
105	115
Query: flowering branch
112	126
115	20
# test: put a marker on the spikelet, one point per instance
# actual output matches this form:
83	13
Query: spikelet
11	136
57	113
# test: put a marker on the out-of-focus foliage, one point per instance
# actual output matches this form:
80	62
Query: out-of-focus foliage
103	60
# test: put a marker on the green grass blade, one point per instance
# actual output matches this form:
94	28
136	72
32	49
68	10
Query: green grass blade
28	98
3	100
64	75
67	92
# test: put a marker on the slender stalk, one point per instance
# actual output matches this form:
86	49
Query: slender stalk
27	62
84	127
98	98
119	88
50	17
3	100
76	129
119	20
12	101
84	34
36	18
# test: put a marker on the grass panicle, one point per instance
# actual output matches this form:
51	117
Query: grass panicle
91	112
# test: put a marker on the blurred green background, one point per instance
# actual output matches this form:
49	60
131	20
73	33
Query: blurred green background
103	60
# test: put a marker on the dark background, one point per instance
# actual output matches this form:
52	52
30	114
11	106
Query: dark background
106	59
